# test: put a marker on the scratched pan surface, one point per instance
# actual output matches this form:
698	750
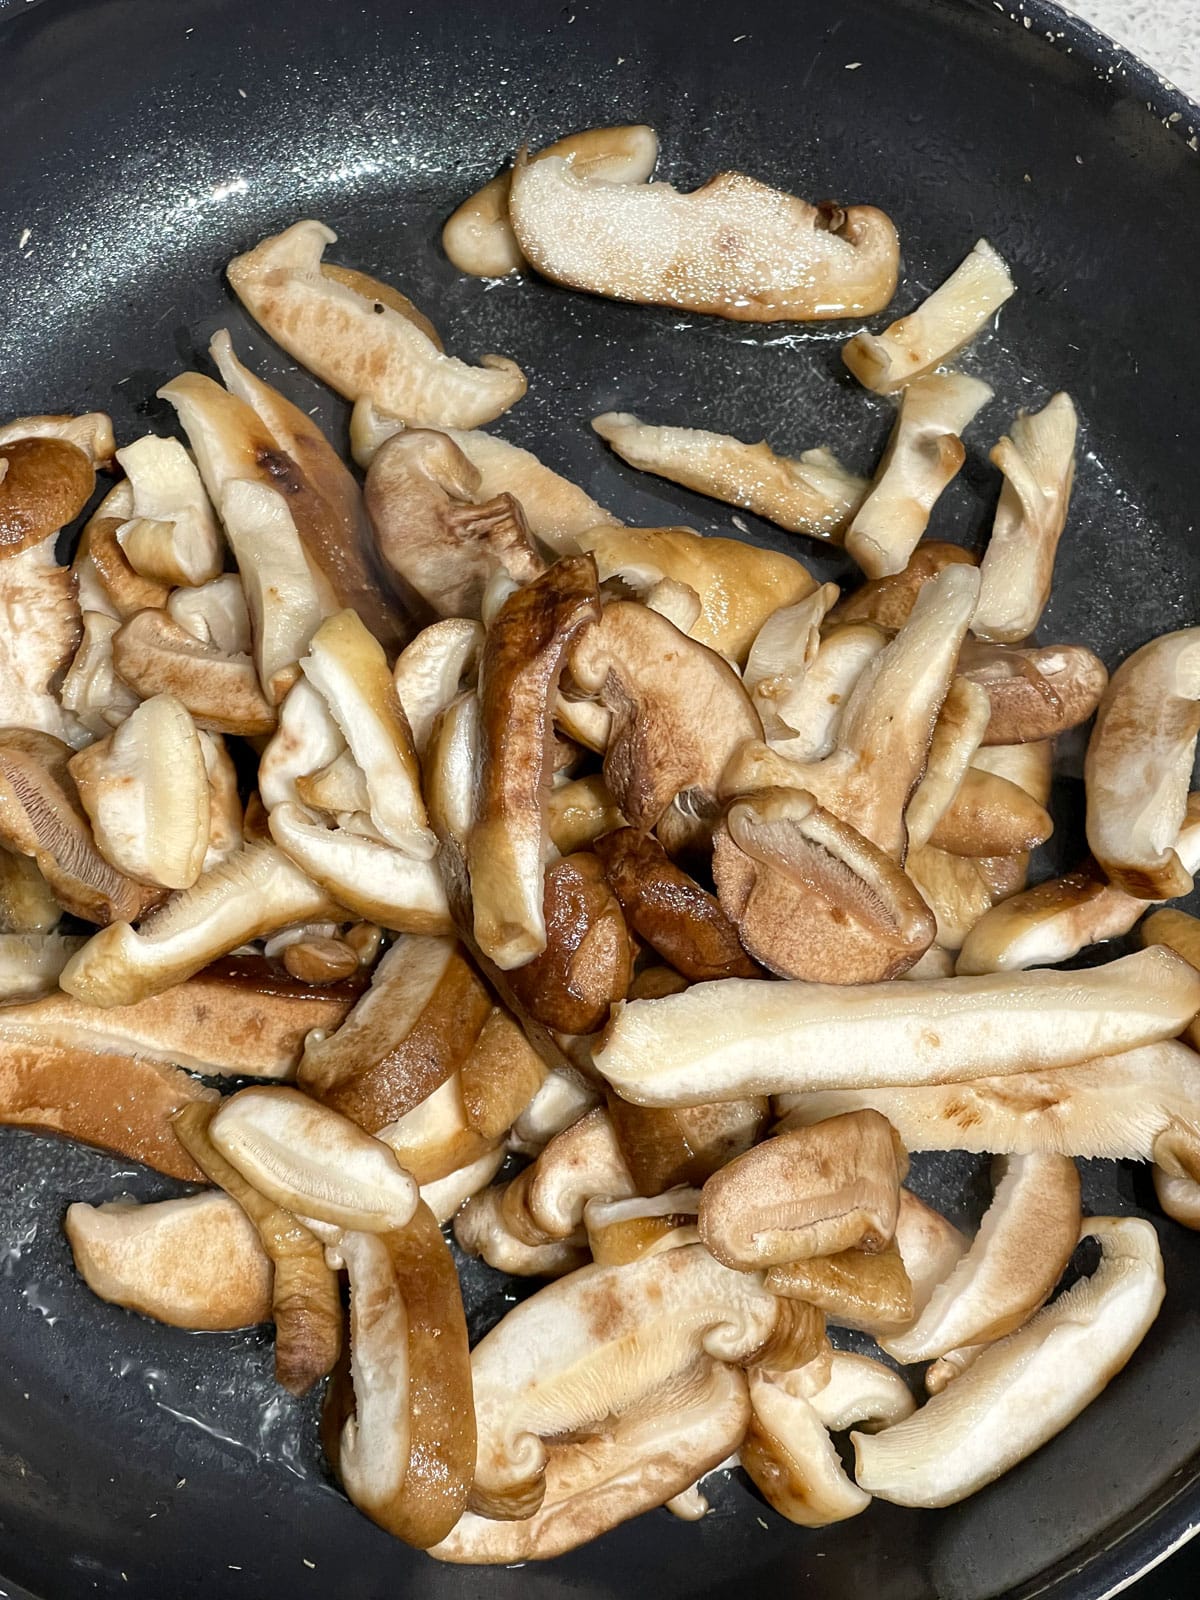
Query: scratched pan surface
145	142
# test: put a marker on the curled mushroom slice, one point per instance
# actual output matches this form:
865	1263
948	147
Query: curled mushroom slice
957	734
253	893
645	1458
522	661
146	790
429	672
31	962
1038	463
306	741
829	1187
44	484
194	1263
990	816
155	655
855	1288
923	454
587	964
91	690
1024	1389
107	580
1139	766
1179	1197
215	613
446	1196
406	1454
580	812
735	248
887	602
172	535
784	648
313	1161
348	667
743	1036
481	1228
562	1099
939	327
1036	693
413	1028
478	237
363	873
591	1348
811	493
817	698
664	1149
433	535
360	345
306	1306
620	1231
1023	1245
226	817
739	585
92	432
679	711
810	897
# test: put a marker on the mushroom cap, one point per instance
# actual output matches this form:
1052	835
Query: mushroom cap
667	1148
1036	693
92	432
888	601
44	484
587	964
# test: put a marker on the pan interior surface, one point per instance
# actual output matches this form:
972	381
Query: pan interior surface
145	144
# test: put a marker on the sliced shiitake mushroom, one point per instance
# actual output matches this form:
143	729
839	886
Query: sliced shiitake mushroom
44	484
587	964
40	631
172	535
665	1148
1036	693
155	655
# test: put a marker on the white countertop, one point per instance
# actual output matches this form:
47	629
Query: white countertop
1165	33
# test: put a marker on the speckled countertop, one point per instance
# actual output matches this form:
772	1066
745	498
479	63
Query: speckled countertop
1165	33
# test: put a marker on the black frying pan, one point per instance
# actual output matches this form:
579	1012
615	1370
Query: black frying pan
145	142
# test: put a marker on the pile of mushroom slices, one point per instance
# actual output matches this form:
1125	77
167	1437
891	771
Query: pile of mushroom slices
486	826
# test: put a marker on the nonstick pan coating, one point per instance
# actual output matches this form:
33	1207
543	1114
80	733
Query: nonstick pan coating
144	143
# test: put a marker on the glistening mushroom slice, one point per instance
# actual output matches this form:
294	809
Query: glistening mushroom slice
1124	1106
647	1458
1036	692
855	1288
1038	463
743	1036
359	345
811	493
478	236
429	672
1024	1242
406	1455
432	533
811	897
255	892
587	964
923	454
44	484
959	890
581	812
667	1148
91	432
888	601
832	1186
40	628
214	613
990	816
446	1196
172	535
313	1161
193	1263
739	585
146	791
957	734
620	1231
107	581
523	658
155	655
939	327
1139	766
735	248
1025	1389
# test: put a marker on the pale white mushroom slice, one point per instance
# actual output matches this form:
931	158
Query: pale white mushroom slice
736	247
478	236
31	962
446	1196
923	454
253	893
434	1138
784	648
930	1247
215	613
817	701
340	788
1023	1390
40	631
957	735
348	667
482	1228
146	791
676	601
1125	1106
172	535
647	1458
1179	1197
307	740
561	1100
937	962
429	672
1139	766
1038	463
582	1163
745	1036
193	1263
1025	1240
91	691
941	325
811	493
226	817
91	432
360	345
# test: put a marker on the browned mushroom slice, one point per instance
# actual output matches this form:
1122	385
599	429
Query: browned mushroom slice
735	248
482	1229
810	897
739	585
523	658
743	1036
822	1189
887	602
587	964
855	1288
478	237
432	535
305	1304
155	655
107	580
581	811
620	1231
40	631
172	535
923	454
415	1026
44	484
320	960
666	1148
193	1263
359	345
679	711
1036	693
1038	463
939	327
811	493
990	816
40	816
92	432
1139	765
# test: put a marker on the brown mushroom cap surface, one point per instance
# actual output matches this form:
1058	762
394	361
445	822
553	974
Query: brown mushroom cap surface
44	484
1036	692
665	1148
587	963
